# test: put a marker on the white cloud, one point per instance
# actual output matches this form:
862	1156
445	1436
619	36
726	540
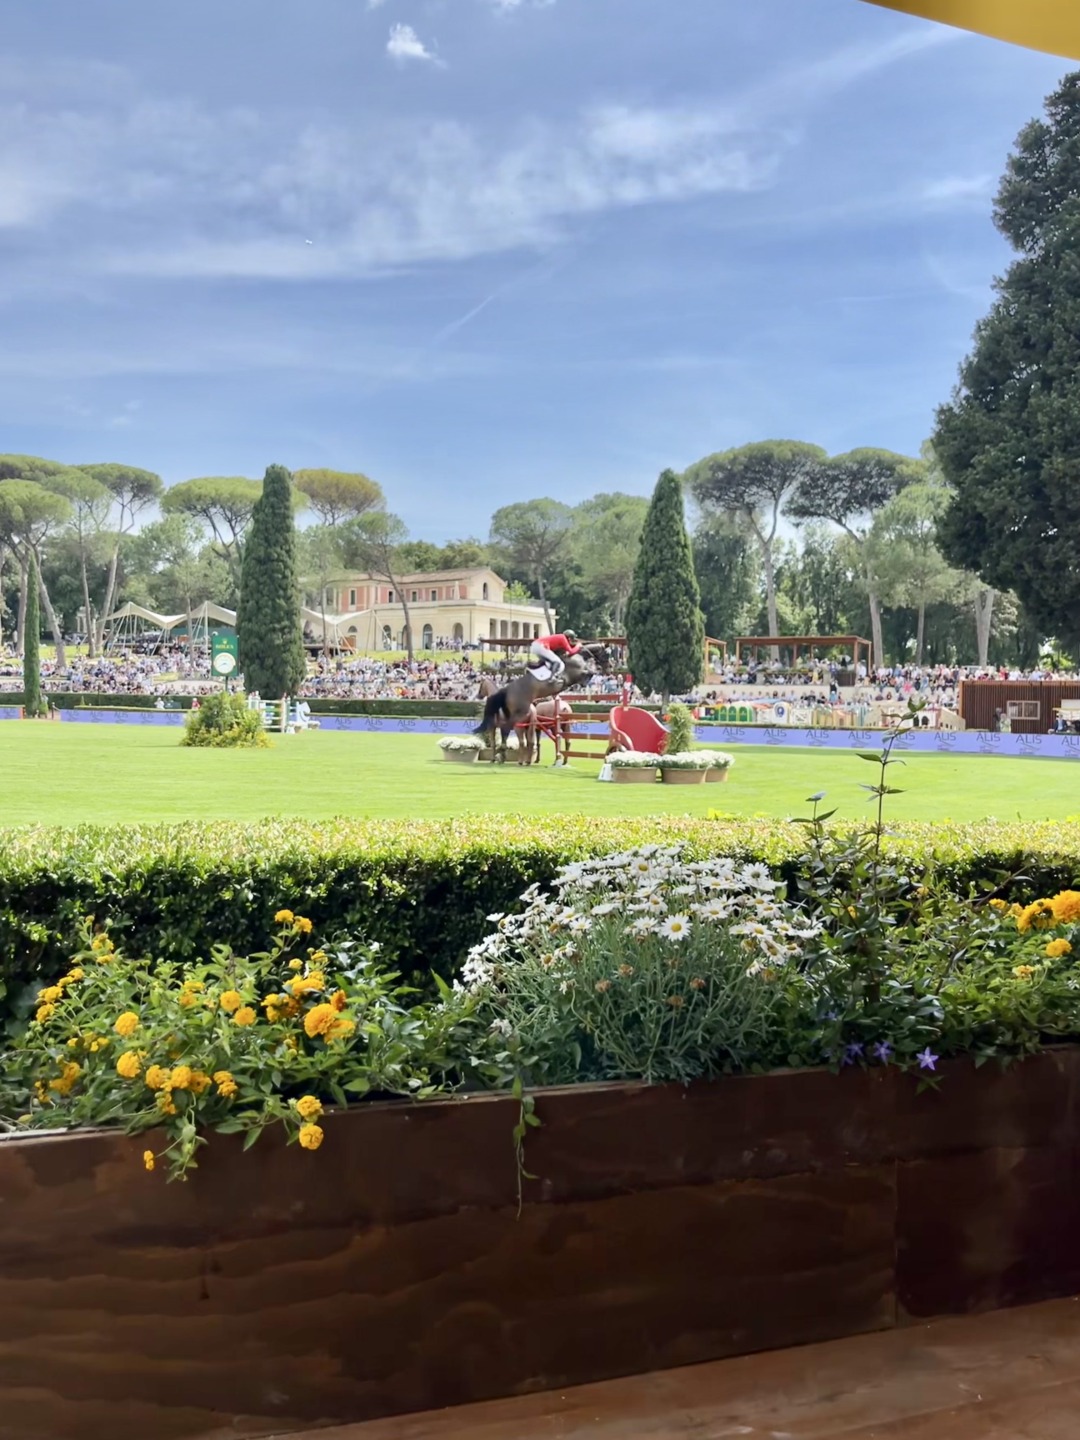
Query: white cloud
405	44
954	189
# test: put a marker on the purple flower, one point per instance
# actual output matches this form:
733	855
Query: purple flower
882	1051
927	1059
852	1052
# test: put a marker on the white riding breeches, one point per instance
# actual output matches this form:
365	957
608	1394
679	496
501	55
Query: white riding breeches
547	657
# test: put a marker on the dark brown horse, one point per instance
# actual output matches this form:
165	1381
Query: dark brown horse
513	705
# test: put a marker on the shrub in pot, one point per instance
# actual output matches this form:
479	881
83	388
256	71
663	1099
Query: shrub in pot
461	749
720	763
686	767
633	767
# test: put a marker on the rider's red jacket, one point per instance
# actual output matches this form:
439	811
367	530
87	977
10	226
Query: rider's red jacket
559	645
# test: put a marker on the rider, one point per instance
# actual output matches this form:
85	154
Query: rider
548	649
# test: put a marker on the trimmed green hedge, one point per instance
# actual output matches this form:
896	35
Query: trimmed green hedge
443	709
422	890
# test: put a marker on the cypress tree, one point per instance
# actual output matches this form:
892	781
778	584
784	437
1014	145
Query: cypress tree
665	629
34	703
268	632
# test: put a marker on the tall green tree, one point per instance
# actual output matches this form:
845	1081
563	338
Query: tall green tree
729	576
849	490
1007	441
751	485
665	629
338	496
33	700
376	544
225	504
533	536
604	544
268	631
132	491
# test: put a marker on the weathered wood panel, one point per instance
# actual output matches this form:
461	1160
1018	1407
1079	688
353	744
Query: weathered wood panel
391	1272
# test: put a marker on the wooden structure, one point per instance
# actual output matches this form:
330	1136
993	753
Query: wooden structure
854	643
1029	705
394	1271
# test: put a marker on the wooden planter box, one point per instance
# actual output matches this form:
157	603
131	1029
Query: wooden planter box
717	776
391	1272
683	777
462	757
633	775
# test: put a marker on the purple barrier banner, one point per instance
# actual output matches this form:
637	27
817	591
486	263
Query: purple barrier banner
922	742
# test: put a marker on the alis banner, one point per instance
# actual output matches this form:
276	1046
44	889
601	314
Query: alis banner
1052	25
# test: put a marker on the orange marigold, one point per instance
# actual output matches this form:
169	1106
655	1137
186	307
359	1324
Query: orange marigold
127	1023
245	1016
157	1077
311	1136
324	1020
1066	906
231	1000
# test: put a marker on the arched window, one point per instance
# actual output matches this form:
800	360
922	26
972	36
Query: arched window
459	634
387	638
485	590
427	641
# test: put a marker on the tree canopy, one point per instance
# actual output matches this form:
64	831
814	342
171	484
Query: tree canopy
534	535
664	625
268	630
337	495
1007	441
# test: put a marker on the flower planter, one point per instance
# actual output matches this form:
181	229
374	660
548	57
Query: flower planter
717	776
633	775
462	757
391	1271
683	777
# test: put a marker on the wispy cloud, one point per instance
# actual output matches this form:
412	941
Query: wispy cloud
405	44
954	189
154	186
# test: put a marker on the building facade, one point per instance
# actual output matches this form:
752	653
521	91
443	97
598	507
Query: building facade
447	609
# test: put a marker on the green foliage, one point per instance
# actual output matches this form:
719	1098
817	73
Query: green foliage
268	628
34	703
225	722
420	889
728	573
664	624
234	1044
225	504
1006	439
337	496
532	536
680	723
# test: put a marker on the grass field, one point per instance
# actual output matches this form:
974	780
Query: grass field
68	774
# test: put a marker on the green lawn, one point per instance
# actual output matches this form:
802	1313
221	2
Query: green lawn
69	773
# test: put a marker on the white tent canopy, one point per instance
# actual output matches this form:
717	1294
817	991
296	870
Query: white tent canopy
130	620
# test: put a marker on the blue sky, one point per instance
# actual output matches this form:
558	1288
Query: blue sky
489	249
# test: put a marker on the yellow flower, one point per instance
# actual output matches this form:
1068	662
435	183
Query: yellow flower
852	911
44	1014
339	1000
98	1042
41	1090
129	1066
73	975
1037	916
307	984
180	1078
148	1159
245	1016
283	917
200	1082
1057	948
303	925
53	993
296	964
127	1024
101	942
231	1000
325	1021
187	998
998	905
311	1137
1066	906
308	1107
157	1077
165	1103
317	957
69	1073
1023	972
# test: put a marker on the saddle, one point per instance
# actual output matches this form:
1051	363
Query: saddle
539	671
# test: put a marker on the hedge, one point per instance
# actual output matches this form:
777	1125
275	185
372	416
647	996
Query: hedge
444	709
423	890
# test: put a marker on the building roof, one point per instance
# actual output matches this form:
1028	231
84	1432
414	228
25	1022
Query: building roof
428	576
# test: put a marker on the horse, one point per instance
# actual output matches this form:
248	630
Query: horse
513	704
553	718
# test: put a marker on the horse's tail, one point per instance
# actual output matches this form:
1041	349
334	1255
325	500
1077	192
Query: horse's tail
495	703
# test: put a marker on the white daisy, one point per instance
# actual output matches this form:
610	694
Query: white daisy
675	927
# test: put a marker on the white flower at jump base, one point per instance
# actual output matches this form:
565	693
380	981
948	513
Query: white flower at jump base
675	927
